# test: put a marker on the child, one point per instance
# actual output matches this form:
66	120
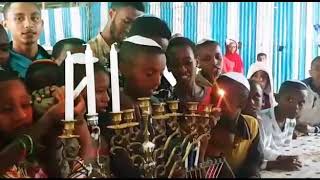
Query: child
59	50
4	48
308	121
278	161
209	61
41	74
232	61
23	20
120	17
20	134
236	135
182	64
279	122
262	57
260	73
102	84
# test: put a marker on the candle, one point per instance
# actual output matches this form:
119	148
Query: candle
114	79
69	104
221	94
91	93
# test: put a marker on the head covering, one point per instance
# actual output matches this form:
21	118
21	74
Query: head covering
140	40
240	78
261	66
232	61
204	40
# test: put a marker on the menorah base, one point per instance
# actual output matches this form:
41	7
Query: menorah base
68	130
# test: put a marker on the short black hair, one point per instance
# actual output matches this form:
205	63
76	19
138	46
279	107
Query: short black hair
150	26
8	75
7	5
80	71
316	59
208	43
137	5
261	54
128	51
59	46
179	42
289	86
48	70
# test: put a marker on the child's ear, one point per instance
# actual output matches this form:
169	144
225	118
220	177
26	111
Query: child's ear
4	23
310	72
112	12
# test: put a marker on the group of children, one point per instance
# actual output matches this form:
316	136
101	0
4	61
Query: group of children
250	126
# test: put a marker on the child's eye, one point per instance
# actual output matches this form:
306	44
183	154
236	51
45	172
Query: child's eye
149	74
18	19
35	19
6	109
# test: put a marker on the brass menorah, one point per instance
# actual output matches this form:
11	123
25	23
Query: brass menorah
166	151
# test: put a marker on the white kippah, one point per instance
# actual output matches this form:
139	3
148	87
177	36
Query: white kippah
140	40
240	78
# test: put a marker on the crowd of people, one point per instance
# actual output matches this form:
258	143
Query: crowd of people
252	123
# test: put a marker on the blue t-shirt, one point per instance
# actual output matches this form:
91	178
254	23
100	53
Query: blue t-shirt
20	63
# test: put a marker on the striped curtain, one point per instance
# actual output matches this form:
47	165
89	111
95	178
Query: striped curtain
283	30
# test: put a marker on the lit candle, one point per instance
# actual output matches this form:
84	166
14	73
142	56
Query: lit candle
91	93
221	94
69	115
114	79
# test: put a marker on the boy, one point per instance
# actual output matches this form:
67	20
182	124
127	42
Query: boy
308	121
262	57
253	108
141	63
182	63
209	61
59	50
279	121
4	48
236	135
23	20
158	31
260	73
121	16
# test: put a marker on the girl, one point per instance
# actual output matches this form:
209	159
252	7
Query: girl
232	61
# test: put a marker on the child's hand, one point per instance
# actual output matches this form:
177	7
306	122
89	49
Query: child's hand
57	110
43	99
80	107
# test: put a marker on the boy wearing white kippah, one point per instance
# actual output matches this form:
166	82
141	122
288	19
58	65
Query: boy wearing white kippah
141	63
236	136
278	124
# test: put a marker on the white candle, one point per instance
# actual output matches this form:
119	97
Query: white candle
114	79
91	94
69	104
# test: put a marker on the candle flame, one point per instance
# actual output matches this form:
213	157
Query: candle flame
221	92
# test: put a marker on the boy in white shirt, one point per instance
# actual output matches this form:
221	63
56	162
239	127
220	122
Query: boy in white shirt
278	124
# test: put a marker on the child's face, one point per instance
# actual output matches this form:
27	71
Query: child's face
210	59
232	47
262	58
121	20
102	85
143	75
15	106
4	47
292	102
262	78
234	100
183	64
255	100
24	22
315	72
72	49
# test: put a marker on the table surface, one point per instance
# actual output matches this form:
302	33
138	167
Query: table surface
308	150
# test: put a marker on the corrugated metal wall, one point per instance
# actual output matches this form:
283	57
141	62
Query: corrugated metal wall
292	28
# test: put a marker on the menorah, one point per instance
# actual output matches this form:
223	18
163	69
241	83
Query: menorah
165	143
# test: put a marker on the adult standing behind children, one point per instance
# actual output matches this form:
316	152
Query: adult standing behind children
121	16
4	48
23	20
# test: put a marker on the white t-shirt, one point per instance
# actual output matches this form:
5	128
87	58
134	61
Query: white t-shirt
272	137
